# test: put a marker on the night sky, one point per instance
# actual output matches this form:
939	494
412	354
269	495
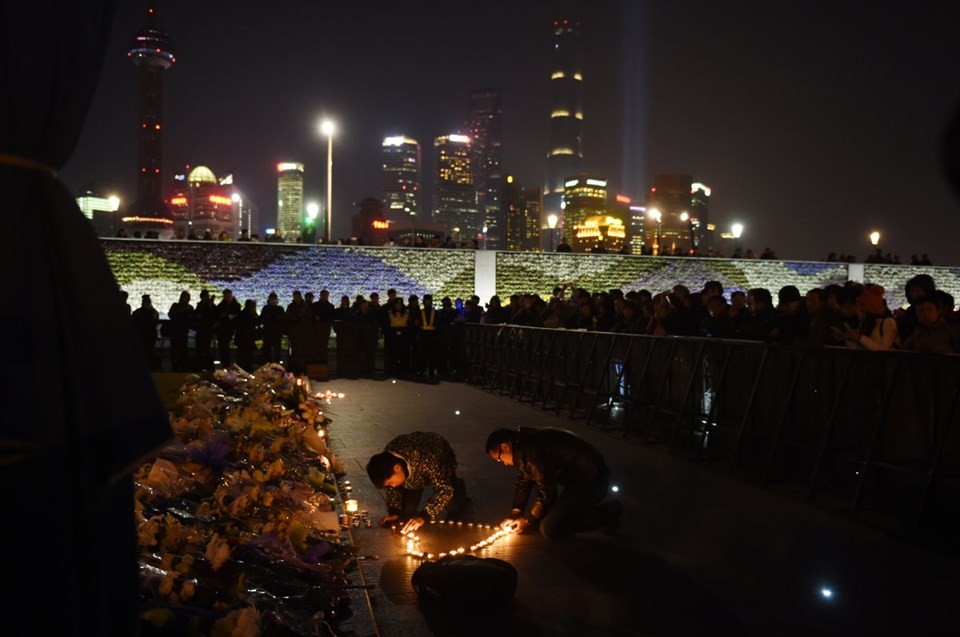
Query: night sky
812	122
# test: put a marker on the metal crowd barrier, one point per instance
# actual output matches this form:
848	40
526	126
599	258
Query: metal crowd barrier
873	434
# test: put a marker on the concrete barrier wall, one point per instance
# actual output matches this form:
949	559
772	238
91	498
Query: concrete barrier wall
253	270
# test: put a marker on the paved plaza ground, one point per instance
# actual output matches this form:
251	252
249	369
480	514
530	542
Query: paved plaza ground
698	551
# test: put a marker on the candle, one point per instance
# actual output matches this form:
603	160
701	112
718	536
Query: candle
351	506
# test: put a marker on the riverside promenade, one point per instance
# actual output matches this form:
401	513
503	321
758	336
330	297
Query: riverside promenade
698	551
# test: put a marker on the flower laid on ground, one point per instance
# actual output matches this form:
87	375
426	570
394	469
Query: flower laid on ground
233	515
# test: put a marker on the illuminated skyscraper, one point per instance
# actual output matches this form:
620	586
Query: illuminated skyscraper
485	132
701	228
290	200
669	210
584	197
152	52
400	178
565	155
454	194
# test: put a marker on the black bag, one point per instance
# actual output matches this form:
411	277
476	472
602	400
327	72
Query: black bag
466	581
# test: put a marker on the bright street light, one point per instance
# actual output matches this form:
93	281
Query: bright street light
114	202
552	222
737	230
874	238
327	128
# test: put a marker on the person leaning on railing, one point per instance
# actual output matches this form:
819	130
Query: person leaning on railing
878	328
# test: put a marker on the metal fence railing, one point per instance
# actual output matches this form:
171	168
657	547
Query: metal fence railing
870	433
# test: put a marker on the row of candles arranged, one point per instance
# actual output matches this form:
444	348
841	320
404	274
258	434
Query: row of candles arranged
412	542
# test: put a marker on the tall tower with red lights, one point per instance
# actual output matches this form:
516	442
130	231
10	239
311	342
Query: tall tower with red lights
152	52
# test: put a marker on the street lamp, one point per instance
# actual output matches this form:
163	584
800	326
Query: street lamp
874	238
313	210
552	223
737	230
327	128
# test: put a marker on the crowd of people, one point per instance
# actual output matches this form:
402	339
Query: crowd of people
418	340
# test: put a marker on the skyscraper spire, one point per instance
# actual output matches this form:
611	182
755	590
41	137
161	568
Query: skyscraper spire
152	52
565	155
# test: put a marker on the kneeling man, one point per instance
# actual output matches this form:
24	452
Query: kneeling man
411	462
570	476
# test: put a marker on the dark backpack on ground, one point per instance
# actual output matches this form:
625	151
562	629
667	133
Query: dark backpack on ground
466	581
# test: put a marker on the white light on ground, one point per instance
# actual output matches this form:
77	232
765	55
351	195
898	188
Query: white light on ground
615	489
826	593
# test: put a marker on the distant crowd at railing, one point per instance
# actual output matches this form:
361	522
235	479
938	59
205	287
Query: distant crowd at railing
418	338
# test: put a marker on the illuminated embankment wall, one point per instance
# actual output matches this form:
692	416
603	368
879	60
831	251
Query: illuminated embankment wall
163	269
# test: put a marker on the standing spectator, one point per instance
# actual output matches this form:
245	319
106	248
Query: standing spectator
821	318
204	317
878	329
179	316
794	323
717	323
343	312
395	345
932	335
227	312
323	315
299	324
761	322
496	313
247	325
273	321
145	319
918	287
125	297
425	327
563	246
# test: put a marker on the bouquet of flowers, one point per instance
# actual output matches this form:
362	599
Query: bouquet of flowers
237	529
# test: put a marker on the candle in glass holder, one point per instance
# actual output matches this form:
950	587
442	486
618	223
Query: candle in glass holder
351	506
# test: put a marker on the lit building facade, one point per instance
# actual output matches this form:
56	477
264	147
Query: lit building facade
606	232
202	206
584	196
101	211
370	225
290	201
565	155
484	126
668	213
636	230
702	229
532	215
400	178
152	52
454	193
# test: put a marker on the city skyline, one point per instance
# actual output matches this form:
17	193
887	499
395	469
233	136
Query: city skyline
812	125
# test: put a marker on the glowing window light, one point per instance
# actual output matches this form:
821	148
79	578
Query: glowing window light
557	75
560	112
178	201
623	199
562	151
226	201
602	183
570	183
577	76
463	139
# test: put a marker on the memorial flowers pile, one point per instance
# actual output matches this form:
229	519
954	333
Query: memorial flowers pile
238	533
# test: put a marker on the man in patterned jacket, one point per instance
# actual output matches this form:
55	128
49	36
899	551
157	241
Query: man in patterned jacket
409	463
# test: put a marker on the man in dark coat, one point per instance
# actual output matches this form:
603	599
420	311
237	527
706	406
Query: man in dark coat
204	318
550	458
146	319
272	320
323	316
227	312
179	316
411	462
